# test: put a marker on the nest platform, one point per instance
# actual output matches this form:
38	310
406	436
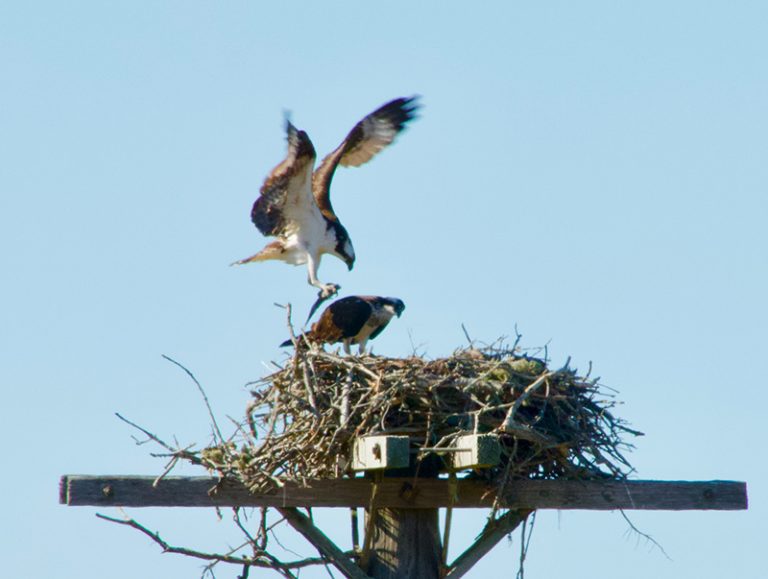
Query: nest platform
304	418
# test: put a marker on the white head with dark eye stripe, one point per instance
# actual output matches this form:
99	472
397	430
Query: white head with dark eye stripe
394	305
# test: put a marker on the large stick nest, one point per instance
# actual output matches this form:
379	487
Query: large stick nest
303	418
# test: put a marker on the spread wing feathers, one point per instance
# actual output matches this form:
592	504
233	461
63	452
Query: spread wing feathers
286	194
344	318
368	137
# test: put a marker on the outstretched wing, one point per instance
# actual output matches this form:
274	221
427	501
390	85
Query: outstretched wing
286	195
367	138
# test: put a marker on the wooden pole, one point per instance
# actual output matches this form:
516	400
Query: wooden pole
405	544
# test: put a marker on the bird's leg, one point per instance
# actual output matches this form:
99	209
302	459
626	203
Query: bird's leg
347	350
327	290
361	348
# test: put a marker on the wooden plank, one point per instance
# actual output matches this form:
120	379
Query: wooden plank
476	451
132	491
381	452
322	543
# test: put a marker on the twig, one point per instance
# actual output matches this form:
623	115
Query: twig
169	467
345	389
306	367
347	363
208	569
525	541
148	434
370	523
518	337
217	432
645	536
448	519
470	341
270	563
510	418
253	542
174	451
288	311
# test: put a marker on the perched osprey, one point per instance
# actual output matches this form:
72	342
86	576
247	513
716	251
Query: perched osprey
353	320
295	204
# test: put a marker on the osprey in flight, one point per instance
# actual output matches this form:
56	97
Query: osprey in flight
295	204
353	320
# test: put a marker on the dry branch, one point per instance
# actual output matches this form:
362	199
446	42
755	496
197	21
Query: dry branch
262	559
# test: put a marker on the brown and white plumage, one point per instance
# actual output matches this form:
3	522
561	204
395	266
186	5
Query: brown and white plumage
295	206
353	320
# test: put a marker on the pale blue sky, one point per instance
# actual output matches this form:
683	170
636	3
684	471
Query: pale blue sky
593	172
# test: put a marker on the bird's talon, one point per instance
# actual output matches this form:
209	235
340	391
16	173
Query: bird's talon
329	291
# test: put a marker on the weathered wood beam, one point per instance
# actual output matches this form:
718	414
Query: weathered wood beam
493	532
137	491
322	543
